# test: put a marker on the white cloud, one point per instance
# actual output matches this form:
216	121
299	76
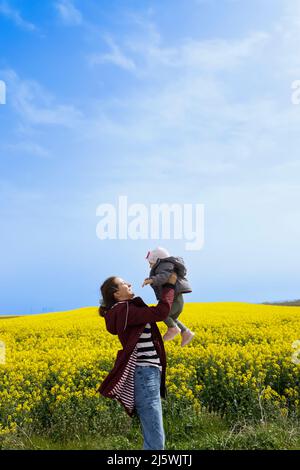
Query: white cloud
35	105
206	55
115	56
143	52
68	13
219	54
27	147
14	15
204	108
184	114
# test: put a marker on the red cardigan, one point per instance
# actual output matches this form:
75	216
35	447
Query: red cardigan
127	319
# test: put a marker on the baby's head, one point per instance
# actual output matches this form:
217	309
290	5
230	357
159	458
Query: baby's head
159	252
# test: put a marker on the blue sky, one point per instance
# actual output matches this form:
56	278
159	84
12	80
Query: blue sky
164	102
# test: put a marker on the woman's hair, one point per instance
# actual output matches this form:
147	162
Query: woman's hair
108	288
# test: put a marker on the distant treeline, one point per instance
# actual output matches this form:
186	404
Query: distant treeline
9	316
287	303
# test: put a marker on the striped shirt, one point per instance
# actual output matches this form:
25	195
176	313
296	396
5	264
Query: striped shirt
123	391
146	352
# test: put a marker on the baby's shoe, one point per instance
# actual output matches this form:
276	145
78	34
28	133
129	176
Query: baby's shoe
171	333
187	337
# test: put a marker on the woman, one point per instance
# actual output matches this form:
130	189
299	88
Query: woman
137	379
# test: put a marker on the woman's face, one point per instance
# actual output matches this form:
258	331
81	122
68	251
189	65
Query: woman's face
124	291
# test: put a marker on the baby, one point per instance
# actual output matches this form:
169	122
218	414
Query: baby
162	265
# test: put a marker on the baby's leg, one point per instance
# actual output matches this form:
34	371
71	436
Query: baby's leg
176	310
170	322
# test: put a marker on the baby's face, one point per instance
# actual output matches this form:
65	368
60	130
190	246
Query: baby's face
151	264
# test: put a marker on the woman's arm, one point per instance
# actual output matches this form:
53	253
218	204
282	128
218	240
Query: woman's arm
139	315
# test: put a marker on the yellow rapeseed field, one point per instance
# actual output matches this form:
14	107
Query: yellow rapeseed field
239	363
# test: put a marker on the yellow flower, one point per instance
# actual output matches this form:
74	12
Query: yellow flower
239	349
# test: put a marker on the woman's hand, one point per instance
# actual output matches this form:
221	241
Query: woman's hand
147	281
172	278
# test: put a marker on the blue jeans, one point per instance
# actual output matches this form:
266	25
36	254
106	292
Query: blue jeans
148	406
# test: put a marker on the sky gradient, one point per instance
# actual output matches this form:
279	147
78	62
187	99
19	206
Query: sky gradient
184	102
